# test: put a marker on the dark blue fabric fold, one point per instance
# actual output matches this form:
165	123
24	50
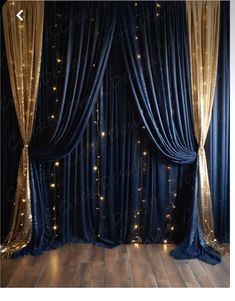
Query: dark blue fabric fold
156	53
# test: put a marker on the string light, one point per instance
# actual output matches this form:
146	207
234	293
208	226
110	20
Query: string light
138	56
103	134
52	116
145	153
58	60
54	88
57	163
23	200
52	185
95	168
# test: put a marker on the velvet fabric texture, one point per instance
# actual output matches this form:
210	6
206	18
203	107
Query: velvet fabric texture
156	55
139	186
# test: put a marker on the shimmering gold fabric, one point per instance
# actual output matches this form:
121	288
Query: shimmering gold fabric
23	41
203	18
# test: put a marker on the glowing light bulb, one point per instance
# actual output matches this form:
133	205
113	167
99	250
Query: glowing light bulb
138	56
95	168
57	163
52	185
52	116
101	198
165	241
103	134
23	200
54	227
135	227
58	60
54	88
145	153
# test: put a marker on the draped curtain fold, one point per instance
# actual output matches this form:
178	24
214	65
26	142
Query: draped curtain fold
87	30
203	20
164	100
79	44
23	42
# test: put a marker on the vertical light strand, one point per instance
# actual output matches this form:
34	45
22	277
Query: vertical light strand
96	168
157	9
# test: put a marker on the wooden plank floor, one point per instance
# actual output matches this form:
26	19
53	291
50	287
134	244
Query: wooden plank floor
86	265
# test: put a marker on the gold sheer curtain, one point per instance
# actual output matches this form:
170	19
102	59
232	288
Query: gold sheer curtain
203	19
23	40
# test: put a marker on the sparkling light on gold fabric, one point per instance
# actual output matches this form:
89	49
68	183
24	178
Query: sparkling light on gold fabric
203	18
23	41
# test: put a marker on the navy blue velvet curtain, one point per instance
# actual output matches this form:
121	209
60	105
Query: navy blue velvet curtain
156	55
145	196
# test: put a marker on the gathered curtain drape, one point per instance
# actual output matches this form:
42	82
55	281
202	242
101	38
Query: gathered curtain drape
164	100
23	42
88	29
83	39
203	20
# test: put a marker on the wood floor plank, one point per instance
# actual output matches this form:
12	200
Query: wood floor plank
142	272
157	265
187	274
218	274
169	263
116	274
87	265
202	278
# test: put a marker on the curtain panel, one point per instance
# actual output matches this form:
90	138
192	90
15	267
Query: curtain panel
23	48
154	53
